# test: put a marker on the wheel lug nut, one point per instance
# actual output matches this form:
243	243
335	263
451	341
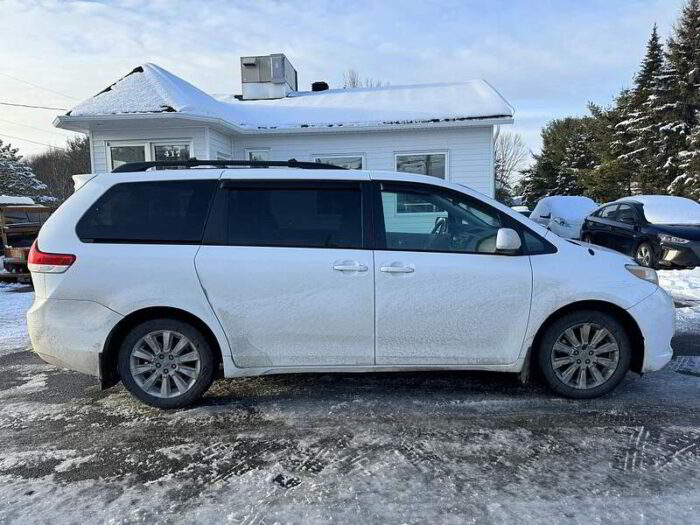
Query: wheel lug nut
578	361
160	356
157	365
173	367
590	353
588	361
172	357
575	352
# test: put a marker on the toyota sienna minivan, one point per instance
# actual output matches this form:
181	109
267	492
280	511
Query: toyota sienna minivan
158	278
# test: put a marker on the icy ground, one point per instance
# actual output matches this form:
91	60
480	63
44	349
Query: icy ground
374	448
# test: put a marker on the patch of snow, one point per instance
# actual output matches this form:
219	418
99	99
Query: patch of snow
13	317
9	199
567	207
152	89
667	209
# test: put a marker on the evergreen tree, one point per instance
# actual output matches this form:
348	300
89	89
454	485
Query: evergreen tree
16	178
578	161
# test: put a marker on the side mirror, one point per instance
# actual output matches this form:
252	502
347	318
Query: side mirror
507	240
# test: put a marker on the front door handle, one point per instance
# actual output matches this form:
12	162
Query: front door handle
350	267
397	269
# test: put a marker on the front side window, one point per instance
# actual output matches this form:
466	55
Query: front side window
295	217
121	155
350	162
456	224
432	164
149	212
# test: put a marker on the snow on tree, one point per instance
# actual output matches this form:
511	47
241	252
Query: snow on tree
16	177
578	160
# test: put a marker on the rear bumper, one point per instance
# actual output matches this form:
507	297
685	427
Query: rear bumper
656	317
70	333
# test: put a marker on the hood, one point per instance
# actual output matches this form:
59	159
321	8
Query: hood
685	231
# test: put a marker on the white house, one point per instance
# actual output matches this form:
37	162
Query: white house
446	130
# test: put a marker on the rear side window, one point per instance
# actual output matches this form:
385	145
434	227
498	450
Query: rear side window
294	217
149	212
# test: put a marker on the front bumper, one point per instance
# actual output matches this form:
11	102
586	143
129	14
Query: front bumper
70	333
656	317
679	255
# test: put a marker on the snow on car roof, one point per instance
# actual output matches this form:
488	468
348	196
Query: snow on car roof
567	206
667	209
152	89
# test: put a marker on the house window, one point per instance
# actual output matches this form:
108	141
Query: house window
349	162
257	154
432	164
121	153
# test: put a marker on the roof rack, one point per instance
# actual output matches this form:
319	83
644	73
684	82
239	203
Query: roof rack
193	163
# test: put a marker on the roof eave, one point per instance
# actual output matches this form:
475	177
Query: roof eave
85	124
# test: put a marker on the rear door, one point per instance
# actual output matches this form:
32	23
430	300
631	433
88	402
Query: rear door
443	294
287	268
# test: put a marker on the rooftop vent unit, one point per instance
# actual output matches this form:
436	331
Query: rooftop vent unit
267	77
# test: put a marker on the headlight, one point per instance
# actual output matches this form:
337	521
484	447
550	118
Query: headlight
670	238
561	222
643	272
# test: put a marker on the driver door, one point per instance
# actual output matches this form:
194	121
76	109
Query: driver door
444	296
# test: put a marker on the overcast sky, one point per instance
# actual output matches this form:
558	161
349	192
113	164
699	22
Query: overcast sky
546	57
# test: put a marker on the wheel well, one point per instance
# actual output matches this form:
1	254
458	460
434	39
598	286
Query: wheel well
108	358
628	322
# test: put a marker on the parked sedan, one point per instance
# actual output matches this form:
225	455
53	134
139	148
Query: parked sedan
563	214
659	231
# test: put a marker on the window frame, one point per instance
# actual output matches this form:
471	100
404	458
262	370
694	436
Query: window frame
637	219
248	151
506	220
215	230
148	147
315	157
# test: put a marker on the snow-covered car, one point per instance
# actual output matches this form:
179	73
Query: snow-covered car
524	210
157	278
563	214
659	231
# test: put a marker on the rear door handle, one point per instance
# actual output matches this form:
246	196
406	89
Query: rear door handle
356	267
397	269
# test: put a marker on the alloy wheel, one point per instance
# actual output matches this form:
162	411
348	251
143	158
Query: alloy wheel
164	364
644	255
585	356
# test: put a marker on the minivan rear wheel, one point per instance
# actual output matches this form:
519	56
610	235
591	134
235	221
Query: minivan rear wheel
166	363
585	354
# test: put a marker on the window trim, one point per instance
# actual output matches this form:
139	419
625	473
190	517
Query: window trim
148	147
315	157
247	151
214	233
507	220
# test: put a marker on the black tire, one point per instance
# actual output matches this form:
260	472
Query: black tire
207	363
652	261
574	319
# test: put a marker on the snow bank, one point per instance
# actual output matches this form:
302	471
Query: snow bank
152	89
666	209
9	199
13	317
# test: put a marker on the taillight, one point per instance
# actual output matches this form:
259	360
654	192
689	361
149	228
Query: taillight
41	262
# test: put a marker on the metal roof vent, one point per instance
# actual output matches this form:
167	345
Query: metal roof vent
267	77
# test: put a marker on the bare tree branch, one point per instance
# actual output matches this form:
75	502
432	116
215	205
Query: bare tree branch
510	154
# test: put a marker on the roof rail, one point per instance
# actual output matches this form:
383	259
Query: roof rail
193	163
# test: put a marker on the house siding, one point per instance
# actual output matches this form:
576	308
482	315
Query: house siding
220	145
469	150
100	139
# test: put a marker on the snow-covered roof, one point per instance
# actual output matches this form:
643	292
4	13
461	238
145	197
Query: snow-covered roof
20	201
571	207
151	89
667	209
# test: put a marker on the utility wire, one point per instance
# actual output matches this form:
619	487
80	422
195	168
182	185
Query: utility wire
30	106
37	86
33	127
32	141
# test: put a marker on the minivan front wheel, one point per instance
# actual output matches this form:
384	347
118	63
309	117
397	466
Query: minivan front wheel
585	354
166	363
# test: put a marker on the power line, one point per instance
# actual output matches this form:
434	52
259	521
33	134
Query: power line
32	107
37	86
32	141
32	127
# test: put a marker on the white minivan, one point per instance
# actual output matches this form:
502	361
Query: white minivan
159	278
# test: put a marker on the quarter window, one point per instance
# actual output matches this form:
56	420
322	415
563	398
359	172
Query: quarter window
608	212
149	212
295	217
456	224
626	214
